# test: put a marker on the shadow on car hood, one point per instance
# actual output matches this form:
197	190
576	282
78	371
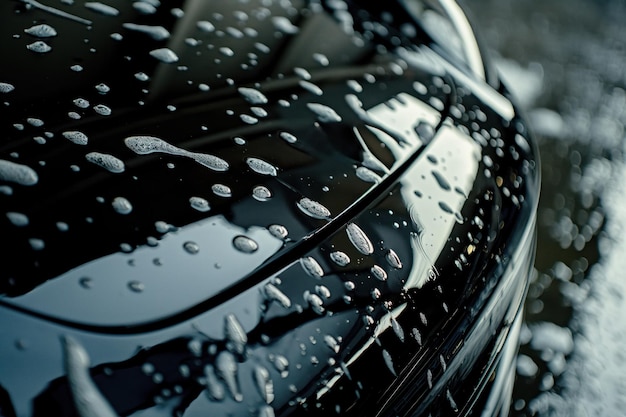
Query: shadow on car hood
183	172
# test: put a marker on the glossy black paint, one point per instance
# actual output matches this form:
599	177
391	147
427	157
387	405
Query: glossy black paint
428	175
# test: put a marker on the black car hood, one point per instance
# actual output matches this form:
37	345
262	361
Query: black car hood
167	179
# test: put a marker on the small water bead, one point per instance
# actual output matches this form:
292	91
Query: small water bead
191	247
86	282
199	204
252	95
136	286
314	301
367	175
340	258
144	7
41	31
33	121
62	226
102	8
221	190
321	59
17	173
81	102
261	193
106	161
359	239
17	219
272	293
76	137
288	137
39	46
278	231
246	118
259	111
378	273
36	244
245	244
261	167
313	209
205	26
311	88
324	113
6	87
122	205
165	55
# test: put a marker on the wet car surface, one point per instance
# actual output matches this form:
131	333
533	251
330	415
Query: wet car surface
213	207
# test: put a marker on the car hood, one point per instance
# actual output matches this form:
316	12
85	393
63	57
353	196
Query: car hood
156	175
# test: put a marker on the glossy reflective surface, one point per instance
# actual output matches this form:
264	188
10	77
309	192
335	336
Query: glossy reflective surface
281	224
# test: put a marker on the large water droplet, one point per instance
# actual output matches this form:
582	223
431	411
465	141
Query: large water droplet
261	167
393	259
191	247
389	361
367	175
314	301
278	231
214	388
102	110
17	219
106	161
245	244
227	369
288	137
281	364
41	31
205	26
122	205
378	273
443	183
359	239
324	113
284	25
164	55
313	209
312	267
6	87
17	173
310	87
76	137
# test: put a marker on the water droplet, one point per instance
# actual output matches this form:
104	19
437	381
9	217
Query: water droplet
164	55
420	88
264	383
288	137
246	118
33	121
261	193
76	137
221	190
443	183
41	31
199	204
144	7
106	161
205	26
397	329
378	273
227	369
102	8
81	102
321	59
340	258
245	244
389	362
332	343
367	175
445	207
6	87
311	88
252	95
284	25
302	73
313	209
122	205
266	411
102	110
272	293
324	113
393	259
314	301
18	219
359	239
311	267
191	247
281	364
425	131
214	388
261	167
36	244
235	334
17	173
136	286
39	46
278	231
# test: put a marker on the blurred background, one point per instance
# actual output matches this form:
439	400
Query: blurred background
566	62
